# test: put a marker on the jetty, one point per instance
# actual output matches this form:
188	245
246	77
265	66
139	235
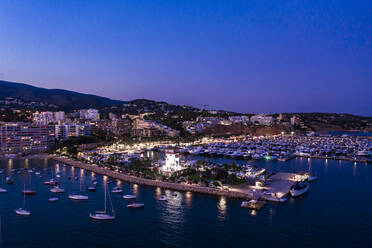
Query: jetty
246	195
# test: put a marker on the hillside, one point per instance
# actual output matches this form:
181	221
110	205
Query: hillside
63	99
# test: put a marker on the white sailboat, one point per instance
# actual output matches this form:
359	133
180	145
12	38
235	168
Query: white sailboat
78	197
103	215
23	211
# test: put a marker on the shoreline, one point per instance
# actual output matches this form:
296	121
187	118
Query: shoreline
150	182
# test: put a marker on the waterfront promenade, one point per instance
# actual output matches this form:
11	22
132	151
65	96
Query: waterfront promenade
150	182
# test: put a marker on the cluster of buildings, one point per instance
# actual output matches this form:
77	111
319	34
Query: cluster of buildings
148	128
15	103
261	119
46	128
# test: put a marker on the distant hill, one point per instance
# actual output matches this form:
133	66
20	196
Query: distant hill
64	99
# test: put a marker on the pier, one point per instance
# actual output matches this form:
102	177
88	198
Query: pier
154	183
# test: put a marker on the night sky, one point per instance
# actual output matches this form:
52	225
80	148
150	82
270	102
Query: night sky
247	56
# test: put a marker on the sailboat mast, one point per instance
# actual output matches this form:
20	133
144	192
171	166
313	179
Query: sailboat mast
105	195
24	194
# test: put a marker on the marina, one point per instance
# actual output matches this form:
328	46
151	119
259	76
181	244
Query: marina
273	147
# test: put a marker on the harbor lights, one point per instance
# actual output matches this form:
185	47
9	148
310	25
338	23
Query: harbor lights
292	133
282	133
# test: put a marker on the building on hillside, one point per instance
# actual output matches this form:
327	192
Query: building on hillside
239	119
150	128
295	120
262	119
89	114
112	116
43	118
64	132
59	116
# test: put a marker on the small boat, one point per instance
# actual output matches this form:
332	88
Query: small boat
135	205
2	190
57	189
37	173
299	189
248	204
117	190
91	188
163	198
9	180
28	192
51	182
53	199
129	196
175	194
21	211
78	197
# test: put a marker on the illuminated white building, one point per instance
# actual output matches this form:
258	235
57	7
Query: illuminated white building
172	163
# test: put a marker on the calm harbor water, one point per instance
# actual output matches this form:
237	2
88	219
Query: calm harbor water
336	212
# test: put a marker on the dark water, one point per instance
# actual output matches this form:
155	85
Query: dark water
336	212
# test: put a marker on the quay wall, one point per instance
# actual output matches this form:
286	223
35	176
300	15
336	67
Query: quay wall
336	158
150	182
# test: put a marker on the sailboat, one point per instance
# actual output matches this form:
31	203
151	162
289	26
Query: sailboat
78	197
28	191
51	181
57	188
103	215
2	190
23	211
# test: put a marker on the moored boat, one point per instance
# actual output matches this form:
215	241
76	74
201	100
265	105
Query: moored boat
57	189
53	199
117	190
299	189
129	196
51	182
29	192
78	197
103	215
21	211
135	205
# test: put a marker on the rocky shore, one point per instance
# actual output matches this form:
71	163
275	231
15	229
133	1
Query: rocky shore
149	182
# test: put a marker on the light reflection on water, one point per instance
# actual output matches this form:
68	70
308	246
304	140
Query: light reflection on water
222	207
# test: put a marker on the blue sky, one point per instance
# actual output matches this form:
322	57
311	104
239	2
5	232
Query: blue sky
247	56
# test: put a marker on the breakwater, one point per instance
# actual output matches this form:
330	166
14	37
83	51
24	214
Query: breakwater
150	182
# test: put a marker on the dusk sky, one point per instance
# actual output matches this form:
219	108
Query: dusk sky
247	56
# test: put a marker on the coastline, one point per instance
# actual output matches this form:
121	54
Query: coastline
150	182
